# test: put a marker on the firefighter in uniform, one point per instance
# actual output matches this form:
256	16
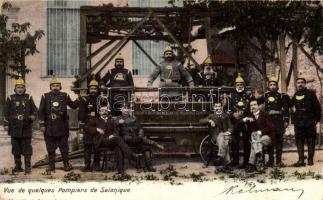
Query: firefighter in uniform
171	72
117	77
239	107
277	106
53	121
306	112
207	77
20	112
133	134
88	110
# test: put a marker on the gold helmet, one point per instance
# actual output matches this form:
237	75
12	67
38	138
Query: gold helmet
208	60
20	81
55	80
301	76
168	49
239	79
273	78
94	83
119	57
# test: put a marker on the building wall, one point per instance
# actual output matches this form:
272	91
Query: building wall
37	83
34	11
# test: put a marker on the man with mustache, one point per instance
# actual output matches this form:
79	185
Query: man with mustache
207	77
88	110
262	133
119	76
239	105
221	129
277	106
106	135
171	72
53	121
306	113
19	113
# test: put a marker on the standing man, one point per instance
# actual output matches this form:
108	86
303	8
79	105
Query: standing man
19	113
88	110
119	76
277	106
239	105
53	121
261	127
171	71
306	112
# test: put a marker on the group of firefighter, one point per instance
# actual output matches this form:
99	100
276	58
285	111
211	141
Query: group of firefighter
259	123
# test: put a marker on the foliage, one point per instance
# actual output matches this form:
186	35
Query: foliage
16	43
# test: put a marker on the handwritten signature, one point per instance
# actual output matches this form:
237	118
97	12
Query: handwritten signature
250	187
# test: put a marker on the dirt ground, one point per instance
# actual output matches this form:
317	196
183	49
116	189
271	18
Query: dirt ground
174	171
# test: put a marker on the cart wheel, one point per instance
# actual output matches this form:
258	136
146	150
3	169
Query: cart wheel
207	149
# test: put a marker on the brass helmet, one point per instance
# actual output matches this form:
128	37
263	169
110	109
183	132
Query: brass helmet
168	49
301	76
20	81
208	60
55	80
273	78
239	79
119	57
94	83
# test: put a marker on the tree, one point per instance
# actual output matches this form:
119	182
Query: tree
16	42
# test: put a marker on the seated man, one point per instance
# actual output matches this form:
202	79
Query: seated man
220	130
261	127
133	134
105	135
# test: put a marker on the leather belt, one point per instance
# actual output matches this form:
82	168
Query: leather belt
174	81
274	112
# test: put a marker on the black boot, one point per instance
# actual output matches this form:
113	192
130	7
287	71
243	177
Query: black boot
67	166
148	161
300	151
271	157
97	161
87	161
311	150
119	159
27	164
17	167
51	162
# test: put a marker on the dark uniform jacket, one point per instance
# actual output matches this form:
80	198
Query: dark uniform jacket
118	78
277	106
88	110
53	113
17	112
202	79
108	126
306	109
263	124
240	103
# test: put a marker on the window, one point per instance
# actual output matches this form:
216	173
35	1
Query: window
63	37
141	64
